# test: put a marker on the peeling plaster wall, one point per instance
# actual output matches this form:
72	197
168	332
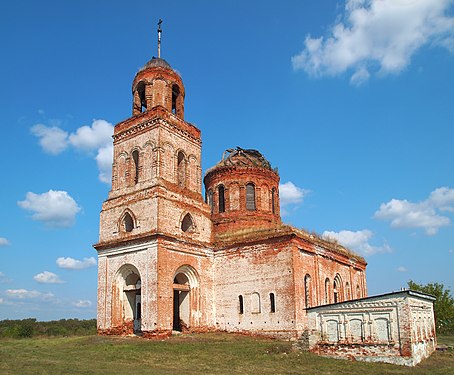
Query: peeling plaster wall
396	328
110	299
255	271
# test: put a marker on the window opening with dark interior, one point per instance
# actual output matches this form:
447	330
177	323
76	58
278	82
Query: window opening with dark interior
187	225
128	222
273	193
143	100
175	94
272	303
250	197
241	304
221	198
135	157
210	199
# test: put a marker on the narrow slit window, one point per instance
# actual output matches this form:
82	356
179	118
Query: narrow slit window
272	303
273	193
135	157
241	304
181	172
307	290
143	101
250	197
175	94
210	199
221	198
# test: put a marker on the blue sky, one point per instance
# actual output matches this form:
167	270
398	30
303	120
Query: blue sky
352	101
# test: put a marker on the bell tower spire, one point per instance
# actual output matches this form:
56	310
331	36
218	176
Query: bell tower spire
159	38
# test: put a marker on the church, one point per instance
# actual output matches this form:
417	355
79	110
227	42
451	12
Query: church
173	259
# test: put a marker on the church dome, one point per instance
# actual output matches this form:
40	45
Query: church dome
246	158
243	192
156	62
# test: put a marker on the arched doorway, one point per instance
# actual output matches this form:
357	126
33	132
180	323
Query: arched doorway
129	287
185	298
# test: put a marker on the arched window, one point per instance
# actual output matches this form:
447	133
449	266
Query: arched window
210	199
175	95
241	304
255	299
250	197
221	198
187	225
307	290
141	92
327	291
273	193
128	222
337	289
135	158
358	291
181	169
272	303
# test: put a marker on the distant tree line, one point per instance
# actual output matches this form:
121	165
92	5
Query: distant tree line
30	328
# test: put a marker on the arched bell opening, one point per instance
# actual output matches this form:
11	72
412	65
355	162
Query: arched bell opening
128	306
185	298
142	98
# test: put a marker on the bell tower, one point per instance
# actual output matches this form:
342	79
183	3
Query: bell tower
155	213
156	171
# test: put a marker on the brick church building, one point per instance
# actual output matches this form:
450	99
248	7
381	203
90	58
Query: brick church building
170	259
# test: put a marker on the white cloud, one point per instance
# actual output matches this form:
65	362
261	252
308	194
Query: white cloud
357	241
377	34
95	139
53	140
424	214
47	277
75	264
401	269
83	303
24	294
54	208
3	241
360	76
443	199
289	193
104	159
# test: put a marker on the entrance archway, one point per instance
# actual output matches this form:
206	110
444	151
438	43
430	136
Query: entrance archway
129	287
185	298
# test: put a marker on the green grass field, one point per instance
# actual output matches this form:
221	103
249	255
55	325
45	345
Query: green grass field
188	354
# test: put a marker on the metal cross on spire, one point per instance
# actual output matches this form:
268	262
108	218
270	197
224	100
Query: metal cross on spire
159	38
